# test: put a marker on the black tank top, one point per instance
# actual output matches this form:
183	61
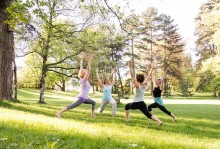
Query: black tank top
157	92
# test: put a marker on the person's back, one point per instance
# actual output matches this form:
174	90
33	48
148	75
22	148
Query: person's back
84	88
139	94
157	91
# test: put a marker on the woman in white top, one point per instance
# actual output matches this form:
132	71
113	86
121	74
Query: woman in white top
107	96
138	101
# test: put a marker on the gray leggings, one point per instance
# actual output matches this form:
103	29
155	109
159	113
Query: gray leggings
80	101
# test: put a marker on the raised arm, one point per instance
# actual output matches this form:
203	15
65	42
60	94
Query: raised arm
113	77
80	67
153	78
99	81
132	75
149	74
88	66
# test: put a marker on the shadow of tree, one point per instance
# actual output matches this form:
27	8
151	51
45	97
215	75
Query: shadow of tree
188	125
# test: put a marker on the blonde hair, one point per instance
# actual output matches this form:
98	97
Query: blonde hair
82	73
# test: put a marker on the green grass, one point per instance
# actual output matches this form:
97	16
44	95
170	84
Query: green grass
196	96
26	124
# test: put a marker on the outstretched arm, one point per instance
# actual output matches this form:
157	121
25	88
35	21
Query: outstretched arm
132	74
99	81
88	66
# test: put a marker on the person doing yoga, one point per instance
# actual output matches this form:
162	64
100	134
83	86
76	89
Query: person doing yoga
84	89
140	85
107	93
158	101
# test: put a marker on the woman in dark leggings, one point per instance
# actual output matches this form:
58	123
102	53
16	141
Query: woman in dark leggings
138	102
158	101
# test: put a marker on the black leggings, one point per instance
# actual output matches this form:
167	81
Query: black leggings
139	105
162	108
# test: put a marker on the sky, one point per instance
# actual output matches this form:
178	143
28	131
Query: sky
182	11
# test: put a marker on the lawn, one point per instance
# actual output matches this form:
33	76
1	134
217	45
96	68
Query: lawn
25	124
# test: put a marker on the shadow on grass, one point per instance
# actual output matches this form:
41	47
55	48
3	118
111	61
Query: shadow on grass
187	124
27	137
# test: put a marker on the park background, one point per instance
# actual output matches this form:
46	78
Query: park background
42	42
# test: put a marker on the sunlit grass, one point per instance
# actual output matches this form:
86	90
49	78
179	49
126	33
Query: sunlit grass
26	124
29	126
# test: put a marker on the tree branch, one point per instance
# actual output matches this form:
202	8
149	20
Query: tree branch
61	73
116	16
62	67
28	54
51	64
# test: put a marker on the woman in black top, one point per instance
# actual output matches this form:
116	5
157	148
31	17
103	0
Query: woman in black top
158	101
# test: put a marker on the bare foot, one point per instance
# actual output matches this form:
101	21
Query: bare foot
58	115
160	124
174	119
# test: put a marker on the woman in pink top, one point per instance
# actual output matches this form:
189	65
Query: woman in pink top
84	89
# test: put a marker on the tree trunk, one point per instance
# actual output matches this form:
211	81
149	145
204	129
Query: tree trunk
15	80
165	88
122	89
63	85
219	94
6	53
45	55
151	61
96	87
215	94
42	80
93	88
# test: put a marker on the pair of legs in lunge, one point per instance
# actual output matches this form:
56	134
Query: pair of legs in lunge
162	108
76	104
143	108
104	103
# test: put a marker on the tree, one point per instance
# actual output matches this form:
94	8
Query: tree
148	32
6	52
40	19
171	55
215	85
207	30
187	82
209	75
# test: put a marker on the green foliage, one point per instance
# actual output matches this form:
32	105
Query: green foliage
187	83
19	12
209	75
215	84
127	88
207	30
186	88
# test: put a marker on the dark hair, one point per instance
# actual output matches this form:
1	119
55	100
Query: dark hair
105	80
140	78
160	80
